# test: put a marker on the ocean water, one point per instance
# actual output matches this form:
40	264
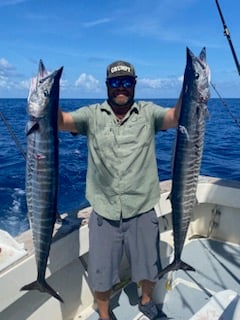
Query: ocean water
221	156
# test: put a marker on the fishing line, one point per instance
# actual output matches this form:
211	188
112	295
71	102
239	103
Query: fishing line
227	34
13	135
235	119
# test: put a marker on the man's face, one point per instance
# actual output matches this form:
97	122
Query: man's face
121	90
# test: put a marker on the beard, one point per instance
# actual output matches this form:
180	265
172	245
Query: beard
120	98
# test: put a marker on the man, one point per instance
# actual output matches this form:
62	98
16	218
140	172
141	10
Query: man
122	185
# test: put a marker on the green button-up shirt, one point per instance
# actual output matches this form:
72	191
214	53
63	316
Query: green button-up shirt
122	175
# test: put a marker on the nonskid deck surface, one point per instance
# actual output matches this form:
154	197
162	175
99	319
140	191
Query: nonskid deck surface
217	267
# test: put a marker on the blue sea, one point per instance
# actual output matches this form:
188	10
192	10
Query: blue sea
221	156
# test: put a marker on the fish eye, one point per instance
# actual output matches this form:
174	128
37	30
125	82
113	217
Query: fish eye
45	92
196	75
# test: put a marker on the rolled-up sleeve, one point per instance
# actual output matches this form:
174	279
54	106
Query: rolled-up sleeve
81	118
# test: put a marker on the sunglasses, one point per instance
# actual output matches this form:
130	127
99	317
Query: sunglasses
127	82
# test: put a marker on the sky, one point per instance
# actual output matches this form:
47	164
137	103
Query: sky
84	36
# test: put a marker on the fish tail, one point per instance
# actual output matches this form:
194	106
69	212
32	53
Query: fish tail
42	287
176	265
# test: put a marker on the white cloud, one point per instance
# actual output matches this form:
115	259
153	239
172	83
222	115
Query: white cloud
87	82
96	22
9	84
160	83
9	79
3	82
4	64
10	2
24	84
64	84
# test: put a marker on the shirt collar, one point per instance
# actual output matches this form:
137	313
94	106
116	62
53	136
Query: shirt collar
107	108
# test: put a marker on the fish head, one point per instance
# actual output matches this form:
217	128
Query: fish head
197	76
44	89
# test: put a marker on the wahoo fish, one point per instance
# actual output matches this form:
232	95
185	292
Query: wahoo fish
188	151
42	169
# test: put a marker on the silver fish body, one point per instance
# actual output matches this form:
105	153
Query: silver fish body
42	169
188	151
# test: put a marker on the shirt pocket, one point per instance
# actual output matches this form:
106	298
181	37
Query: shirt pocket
102	137
137	134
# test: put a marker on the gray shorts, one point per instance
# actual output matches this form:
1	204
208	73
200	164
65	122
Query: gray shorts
138	236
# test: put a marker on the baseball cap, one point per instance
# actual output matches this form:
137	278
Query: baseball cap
120	69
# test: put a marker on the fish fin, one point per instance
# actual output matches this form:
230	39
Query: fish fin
42	287
184	131
185	266
174	266
31	126
202	54
42	71
170	267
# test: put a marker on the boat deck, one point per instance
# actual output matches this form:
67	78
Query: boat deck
217	267
212	292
